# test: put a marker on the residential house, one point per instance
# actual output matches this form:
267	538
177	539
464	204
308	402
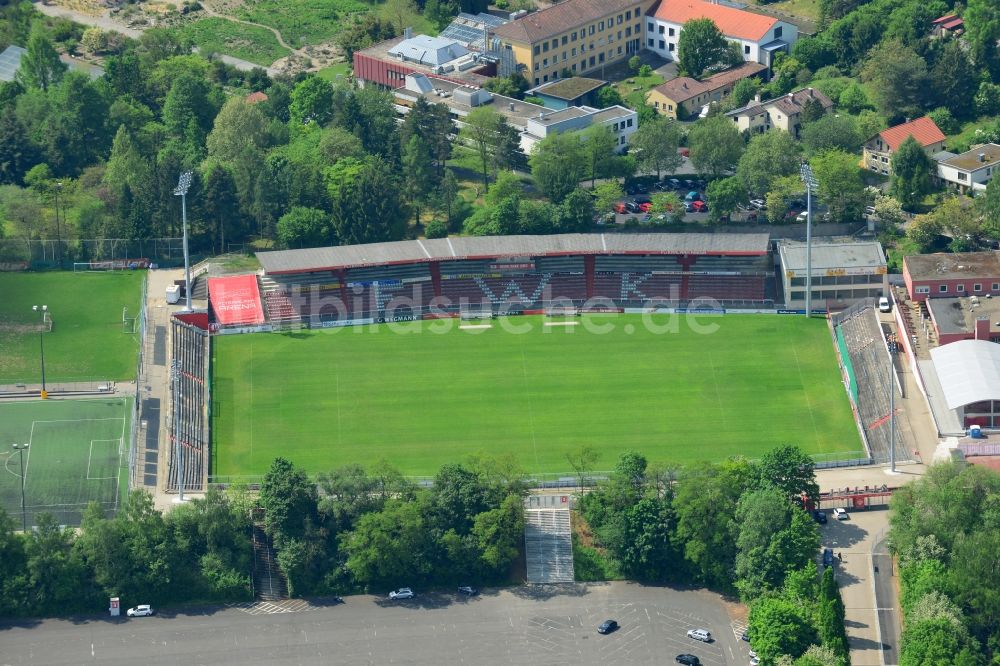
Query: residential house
759	36
683	97
574	91
947	26
783	112
575	36
878	150
972	170
951	275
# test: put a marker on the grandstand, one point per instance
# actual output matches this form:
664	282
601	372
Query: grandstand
442	277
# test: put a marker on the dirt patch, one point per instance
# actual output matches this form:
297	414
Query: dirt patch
20	329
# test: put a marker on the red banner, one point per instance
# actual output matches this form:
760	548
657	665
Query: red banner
236	300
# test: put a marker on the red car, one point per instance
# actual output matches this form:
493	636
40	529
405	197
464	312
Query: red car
699	207
619	208
645	207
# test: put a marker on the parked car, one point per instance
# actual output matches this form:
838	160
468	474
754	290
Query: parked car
642	199
468	591
631	207
675	184
401	593
607	627
703	635
142	610
688	206
693	195
840	514
699	206
802	217
754	661
819	516
634	188
884	305
620	207
688	660
645	207
758	204
869	210
685	152
827	557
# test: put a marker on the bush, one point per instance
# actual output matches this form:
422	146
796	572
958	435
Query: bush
435	229
645	70
634	63
944	120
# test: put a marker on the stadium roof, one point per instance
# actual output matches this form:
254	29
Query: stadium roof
833	256
969	371
483	247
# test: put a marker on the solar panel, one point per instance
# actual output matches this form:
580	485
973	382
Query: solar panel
468	29
10	61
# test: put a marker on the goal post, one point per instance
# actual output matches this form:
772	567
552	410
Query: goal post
562	311
471	315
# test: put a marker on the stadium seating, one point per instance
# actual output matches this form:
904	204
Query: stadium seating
567	286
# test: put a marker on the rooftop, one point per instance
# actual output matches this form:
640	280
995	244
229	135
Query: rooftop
944	266
469	29
569	89
969	371
833	256
10	61
683	88
789	104
970	159
480	247
924	130
734	23
515	111
559	18
562	115
428	50
958	315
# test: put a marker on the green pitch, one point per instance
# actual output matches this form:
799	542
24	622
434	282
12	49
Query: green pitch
326	398
77	454
86	342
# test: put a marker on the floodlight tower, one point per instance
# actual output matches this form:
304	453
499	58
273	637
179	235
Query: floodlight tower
21	448
41	310
181	191
806	173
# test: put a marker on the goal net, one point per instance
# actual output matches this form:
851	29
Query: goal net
562	311
469	315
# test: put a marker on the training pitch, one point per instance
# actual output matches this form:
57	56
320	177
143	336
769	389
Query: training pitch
88	340
77	454
420	399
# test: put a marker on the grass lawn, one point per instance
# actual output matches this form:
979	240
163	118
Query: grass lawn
303	22
634	93
333	71
77	454
86	340
247	42
325	398
804	8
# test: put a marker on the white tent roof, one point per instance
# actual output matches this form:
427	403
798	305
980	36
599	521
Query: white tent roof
969	371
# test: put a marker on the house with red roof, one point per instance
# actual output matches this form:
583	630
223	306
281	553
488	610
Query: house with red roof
759	36
947	25
878	150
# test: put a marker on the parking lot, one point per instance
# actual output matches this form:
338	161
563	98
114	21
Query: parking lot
523	625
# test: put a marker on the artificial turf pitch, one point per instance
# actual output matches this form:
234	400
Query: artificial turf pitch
419	399
77	453
86	342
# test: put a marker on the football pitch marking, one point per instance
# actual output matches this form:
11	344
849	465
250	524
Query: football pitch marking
120	441
90	457
562	323
466	327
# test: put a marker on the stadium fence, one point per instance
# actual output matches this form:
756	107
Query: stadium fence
139	373
47	252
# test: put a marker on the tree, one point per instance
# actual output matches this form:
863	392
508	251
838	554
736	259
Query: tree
702	46
558	164
775	538
401	13
898	78
239	127
853	98
840	186
608	193
725	194
40	66
369	29
779	627
958	79
582	460
982	33
490	135
609	96
832	132
670	204
647	549
911	173
508	86
368	208
743	93
432	123
18	151
575	214
391	545
889	212
499	533
989	206
598	151
767	156
655	145
304	227
791	470
188	114
312	102
418	173
289	500
715	145
924	231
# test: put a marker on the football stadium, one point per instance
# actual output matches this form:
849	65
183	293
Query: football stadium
428	351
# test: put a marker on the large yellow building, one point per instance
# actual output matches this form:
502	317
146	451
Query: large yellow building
577	36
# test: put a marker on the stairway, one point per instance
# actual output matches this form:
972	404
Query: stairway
548	546
268	581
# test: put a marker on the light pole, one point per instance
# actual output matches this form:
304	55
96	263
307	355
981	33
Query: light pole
178	456
59	186
806	173
24	515
892	419
41	344
181	191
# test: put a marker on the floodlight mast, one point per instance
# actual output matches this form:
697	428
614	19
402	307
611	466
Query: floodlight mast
806	173
183	184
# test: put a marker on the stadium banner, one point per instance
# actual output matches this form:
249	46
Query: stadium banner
440	315
337	323
236	300
13	266
600	309
513	266
751	311
372	283
715	311
118	264
398	317
216	329
802	312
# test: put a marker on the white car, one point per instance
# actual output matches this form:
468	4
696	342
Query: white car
702	635
143	610
840	514
884	305
401	593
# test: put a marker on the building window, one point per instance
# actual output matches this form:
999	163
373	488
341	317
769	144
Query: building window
628	32
885	160
574	66
943	288
628	14
663	30
777	32
619	50
536	65
592	30
545	78
545	47
616	127
663	44
600	57
573	37
977	287
960	288
746	49
537	50
670	47
600	26
621	19
619	34
961	176
564	40
649	43
628	123
555	43
996	286
670	107
922	290
545	63
656	105
649	27
592	61
671	33
573	53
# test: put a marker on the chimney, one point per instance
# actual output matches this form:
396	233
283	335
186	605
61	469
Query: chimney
982	157
407	32
756	98
983	328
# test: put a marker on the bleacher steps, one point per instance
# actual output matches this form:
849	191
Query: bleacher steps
548	546
268	582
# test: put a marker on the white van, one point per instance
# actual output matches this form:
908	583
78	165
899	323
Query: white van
884	305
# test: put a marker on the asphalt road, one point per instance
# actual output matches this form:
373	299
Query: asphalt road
525	625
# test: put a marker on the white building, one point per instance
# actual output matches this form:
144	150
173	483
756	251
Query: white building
621	121
759	36
972	170
433	51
